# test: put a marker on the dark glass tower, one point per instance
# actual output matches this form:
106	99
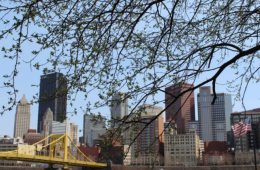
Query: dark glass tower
53	95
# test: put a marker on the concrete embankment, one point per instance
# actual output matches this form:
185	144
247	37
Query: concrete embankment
19	168
233	167
117	167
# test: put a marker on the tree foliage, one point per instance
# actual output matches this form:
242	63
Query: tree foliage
135	46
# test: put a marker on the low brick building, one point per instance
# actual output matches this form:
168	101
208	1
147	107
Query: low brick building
32	137
217	153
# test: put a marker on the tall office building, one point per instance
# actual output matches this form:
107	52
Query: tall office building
182	110
53	95
22	118
119	108
146	148
92	129
214	119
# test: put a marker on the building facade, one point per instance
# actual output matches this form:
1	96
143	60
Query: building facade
8	144
31	137
60	128
246	143
127	155
74	133
92	129
217	153
119	108
214	119
180	109
194	125
22	118
181	149
66	128
47	122
53	95
146	148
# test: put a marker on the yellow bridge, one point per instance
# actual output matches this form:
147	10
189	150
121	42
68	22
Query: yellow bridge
54	149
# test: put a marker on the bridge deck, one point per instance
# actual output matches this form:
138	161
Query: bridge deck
50	160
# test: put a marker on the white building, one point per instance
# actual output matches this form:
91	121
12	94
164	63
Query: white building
181	149
22	118
8	144
127	155
73	133
66	127
92	129
47	122
60	128
214	119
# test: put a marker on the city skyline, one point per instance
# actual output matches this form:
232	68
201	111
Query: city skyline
71	58
204	98
9	116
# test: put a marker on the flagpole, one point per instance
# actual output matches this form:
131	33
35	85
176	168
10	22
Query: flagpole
241	128
255	152
254	145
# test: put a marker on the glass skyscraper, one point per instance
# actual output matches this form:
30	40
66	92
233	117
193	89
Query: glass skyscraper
53	95
214	119
119	108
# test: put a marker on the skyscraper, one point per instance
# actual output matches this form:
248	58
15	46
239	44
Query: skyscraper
92	129
181	111
214	119
22	118
119	108
146	148
53	95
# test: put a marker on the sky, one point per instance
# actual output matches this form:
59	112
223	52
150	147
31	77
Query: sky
28	76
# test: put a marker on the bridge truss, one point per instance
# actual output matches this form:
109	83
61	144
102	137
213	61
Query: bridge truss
53	149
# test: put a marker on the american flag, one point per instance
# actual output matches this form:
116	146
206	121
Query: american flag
241	128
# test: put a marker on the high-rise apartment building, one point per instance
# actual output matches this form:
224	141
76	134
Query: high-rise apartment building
22	118
92	129
53	95
214	119
246	143
119	108
180	110
146	148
